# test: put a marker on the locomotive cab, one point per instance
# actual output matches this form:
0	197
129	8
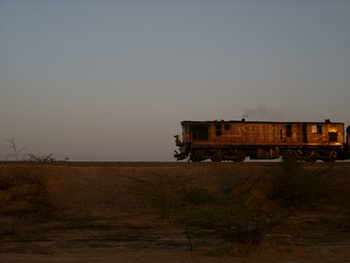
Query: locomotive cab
199	132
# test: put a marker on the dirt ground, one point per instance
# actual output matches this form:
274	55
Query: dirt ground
82	212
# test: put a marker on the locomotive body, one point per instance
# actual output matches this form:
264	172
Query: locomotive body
236	140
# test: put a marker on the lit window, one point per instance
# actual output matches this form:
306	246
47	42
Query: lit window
317	129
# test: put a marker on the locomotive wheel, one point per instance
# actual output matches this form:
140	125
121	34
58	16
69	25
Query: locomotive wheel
196	156
216	159
313	158
290	155
195	159
216	156
332	157
241	157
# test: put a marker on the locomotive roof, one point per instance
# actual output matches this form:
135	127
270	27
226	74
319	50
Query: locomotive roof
244	121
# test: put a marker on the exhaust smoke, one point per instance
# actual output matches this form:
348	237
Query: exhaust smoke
264	113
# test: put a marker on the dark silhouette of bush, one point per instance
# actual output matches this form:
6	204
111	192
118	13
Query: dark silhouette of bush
236	216
295	186
160	192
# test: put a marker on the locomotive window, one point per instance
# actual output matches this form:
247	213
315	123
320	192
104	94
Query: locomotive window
227	127
289	130
333	136
218	129
199	132
317	129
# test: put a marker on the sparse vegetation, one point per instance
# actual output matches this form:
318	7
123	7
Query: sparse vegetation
44	158
235	211
32	157
244	210
16	153
295	186
159	192
236	216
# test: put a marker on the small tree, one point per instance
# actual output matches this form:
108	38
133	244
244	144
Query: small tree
16	152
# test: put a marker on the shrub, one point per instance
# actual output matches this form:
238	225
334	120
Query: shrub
236	216
160	192
43	158
22	194
296	186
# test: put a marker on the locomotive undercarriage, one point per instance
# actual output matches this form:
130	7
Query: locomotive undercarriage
218	155
308	154
312	155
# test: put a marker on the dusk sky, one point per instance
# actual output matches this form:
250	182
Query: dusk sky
98	80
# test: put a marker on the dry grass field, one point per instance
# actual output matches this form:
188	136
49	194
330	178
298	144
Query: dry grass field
109	212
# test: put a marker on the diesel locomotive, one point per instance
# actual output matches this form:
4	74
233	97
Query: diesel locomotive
236	140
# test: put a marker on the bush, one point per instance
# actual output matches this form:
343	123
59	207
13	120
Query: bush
160	192
296	186
236	216
43	158
22	194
